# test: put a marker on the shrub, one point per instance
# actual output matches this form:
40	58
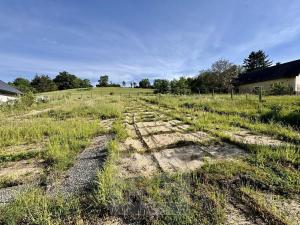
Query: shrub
28	99
273	114
281	89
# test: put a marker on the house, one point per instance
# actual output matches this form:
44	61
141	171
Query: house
8	92
287	74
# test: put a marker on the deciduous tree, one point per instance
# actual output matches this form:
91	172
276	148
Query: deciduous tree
23	85
43	83
103	81
144	83
161	86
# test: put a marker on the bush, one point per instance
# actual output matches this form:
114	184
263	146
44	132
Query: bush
281	89
28	99
161	86
273	114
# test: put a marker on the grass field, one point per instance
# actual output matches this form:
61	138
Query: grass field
197	159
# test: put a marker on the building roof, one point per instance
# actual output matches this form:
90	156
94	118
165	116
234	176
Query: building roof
284	70
4	87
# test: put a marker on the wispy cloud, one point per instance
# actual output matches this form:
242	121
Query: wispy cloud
162	43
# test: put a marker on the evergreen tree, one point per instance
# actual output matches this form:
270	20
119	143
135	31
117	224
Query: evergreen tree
257	60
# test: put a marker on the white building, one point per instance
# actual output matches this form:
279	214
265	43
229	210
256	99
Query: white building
8	92
285	73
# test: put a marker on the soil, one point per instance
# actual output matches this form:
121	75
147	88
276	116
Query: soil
285	208
107	124
239	214
22	148
21	168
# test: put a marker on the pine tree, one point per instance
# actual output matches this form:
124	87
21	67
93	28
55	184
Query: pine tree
257	60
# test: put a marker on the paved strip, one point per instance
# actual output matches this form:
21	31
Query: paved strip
82	175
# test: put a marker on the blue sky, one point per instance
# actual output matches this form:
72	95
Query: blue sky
133	39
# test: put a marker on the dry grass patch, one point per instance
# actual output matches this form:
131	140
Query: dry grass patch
21	172
21	148
107	124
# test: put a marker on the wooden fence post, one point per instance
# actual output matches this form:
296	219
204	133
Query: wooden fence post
260	94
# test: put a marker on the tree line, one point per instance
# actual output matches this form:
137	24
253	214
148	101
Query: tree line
220	77
43	83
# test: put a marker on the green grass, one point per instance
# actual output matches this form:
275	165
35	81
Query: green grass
66	125
34	207
210	120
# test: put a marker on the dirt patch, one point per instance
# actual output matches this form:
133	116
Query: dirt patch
133	144
37	112
288	210
180	159
137	165
236	215
21	148
107	124
21	168
189	158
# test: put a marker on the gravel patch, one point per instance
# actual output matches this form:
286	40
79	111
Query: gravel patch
82	175
8	194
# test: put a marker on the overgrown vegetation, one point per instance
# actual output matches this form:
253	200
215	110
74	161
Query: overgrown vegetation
55	132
